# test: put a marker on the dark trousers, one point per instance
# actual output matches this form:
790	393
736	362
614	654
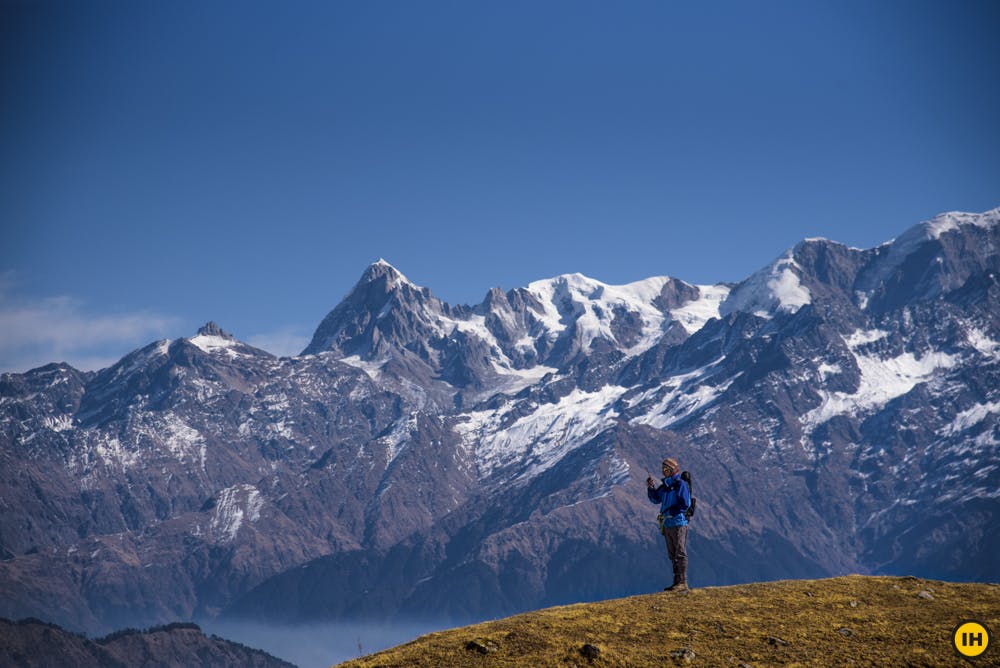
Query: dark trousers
676	538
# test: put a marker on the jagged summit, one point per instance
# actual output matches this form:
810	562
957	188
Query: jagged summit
383	304
210	328
213	339
380	269
378	280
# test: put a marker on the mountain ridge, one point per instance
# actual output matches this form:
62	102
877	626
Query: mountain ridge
475	457
32	642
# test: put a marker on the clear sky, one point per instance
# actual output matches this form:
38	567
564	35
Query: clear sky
166	163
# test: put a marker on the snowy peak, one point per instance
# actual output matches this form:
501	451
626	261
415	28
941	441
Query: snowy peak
212	338
379	283
928	260
554	321
815	270
776	288
581	314
384	310
946	224
694	312
931	259
956	220
543	326
581	288
383	271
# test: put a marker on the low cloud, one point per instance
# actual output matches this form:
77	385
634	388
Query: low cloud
317	644
61	329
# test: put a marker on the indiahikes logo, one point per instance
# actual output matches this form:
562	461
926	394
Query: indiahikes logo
971	639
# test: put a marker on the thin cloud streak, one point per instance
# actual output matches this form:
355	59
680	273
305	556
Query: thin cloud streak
284	342
59	329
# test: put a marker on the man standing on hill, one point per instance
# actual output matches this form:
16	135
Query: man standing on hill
674	497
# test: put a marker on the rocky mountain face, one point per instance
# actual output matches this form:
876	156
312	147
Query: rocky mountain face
838	410
31	642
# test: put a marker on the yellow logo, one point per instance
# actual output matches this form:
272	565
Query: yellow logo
971	639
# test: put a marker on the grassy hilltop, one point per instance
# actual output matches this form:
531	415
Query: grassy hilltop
853	620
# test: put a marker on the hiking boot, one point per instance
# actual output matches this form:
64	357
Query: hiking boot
677	586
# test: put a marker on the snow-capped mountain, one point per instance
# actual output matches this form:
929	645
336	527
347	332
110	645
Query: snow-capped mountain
838	410
389	326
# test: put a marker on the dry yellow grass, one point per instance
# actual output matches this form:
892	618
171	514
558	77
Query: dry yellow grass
845	621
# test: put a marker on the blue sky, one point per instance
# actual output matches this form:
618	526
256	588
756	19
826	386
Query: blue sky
167	163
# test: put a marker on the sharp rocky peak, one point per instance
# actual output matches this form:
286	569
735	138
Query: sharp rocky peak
381	283
380	270
210	328
381	303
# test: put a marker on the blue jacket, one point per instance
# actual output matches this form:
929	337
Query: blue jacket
674	498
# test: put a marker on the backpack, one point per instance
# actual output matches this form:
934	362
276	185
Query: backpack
686	477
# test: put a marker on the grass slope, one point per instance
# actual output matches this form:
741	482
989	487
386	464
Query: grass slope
852	620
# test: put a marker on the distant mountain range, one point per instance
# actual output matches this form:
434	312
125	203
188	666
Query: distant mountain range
838	410
31	642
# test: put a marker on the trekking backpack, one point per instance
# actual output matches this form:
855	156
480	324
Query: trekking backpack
686	477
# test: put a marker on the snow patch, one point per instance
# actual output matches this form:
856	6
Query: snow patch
233	506
619	472
396	440
862	299
58	423
475	326
281	429
181	440
827	370
515	380
953	220
210	344
786	287
542	438
862	337
373	369
679	397
693	315
882	380
114	455
983	343
593	305
774	288
970	418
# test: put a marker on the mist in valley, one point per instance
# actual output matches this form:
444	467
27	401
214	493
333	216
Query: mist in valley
319	644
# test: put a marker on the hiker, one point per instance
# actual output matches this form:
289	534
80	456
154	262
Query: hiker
674	497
